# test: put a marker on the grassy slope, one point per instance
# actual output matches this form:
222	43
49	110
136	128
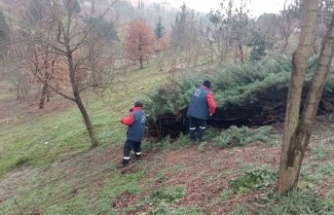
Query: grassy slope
64	177
41	140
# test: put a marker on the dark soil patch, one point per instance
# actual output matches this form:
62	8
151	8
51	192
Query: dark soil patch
206	175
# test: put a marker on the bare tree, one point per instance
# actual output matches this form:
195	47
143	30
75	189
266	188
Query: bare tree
186	37
14	68
230	29
288	22
324	15
69	55
297	132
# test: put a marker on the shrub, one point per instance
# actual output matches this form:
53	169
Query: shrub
248	94
258	179
235	136
296	203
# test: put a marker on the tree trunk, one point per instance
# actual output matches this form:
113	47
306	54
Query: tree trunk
211	52
48	95
50	77
141	61
241	52
45	84
289	169
302	137
77	99
87	121
44	93
285	45
18	96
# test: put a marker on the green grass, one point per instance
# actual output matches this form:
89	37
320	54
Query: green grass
235	136
240	210
296	203
74	196
166	195
40	141
122	183
170	210
71	190
259	179
226	194
321	151
314	172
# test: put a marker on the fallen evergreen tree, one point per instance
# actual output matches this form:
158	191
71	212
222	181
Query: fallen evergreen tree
249	94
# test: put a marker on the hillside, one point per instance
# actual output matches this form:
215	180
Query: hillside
68	75
124	11
121	12
47	167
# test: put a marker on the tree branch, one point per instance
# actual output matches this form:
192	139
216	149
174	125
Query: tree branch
54	89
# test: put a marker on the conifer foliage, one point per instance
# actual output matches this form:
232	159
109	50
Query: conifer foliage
159	29
250	94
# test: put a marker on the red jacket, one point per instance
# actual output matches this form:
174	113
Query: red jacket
211	101
129	120
136	124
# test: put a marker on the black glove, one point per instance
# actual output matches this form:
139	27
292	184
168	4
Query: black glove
131	110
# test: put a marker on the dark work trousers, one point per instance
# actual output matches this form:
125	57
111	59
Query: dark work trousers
196	126
128	146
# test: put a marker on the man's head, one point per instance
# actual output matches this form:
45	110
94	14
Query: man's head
138	104
207	83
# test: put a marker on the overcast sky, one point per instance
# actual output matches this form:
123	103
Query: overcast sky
257	7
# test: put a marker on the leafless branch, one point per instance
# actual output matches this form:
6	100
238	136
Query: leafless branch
40	79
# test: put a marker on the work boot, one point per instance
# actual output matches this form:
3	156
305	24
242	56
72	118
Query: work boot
138	155
192	133
125	163
201	134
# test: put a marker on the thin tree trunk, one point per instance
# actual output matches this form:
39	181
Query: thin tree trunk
45	83
78	100
302	137
241	52
18	96
50	77
141	61
288	172
285	45
211	52
44	93
87	121
48	95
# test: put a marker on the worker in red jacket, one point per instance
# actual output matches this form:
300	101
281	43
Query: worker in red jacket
202	105
136	128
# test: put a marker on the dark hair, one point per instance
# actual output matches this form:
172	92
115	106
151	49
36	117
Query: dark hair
207	83
138	104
